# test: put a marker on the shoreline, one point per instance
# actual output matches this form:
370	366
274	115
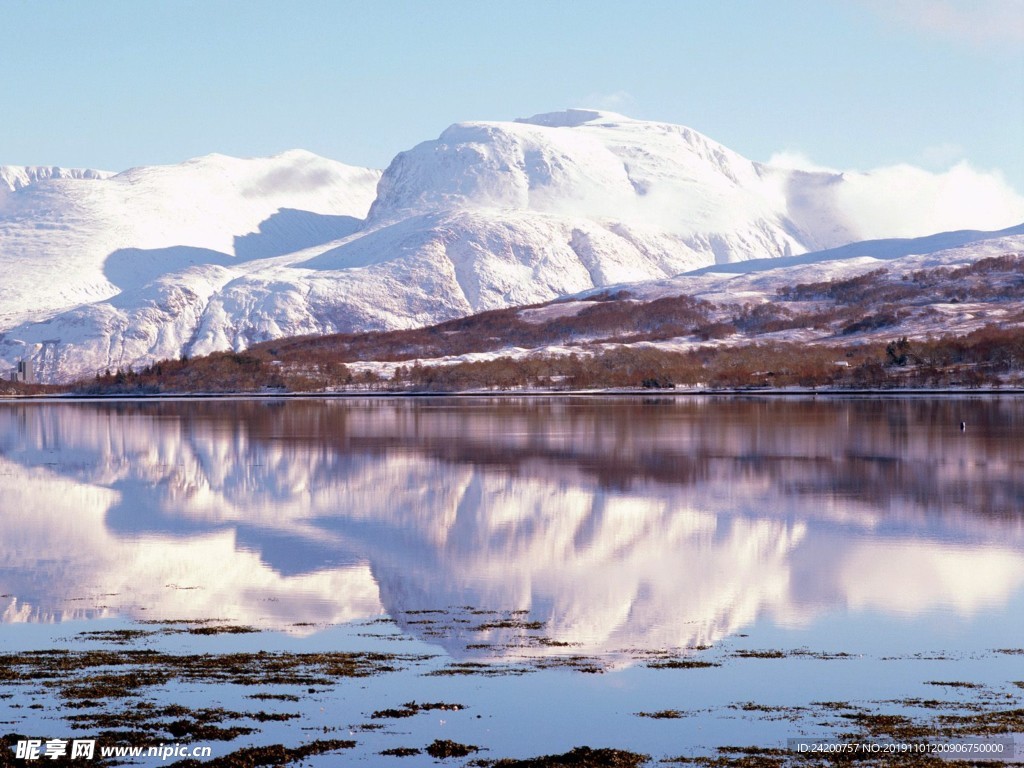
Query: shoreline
532	393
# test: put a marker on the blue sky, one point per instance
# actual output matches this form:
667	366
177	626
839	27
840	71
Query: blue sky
850	84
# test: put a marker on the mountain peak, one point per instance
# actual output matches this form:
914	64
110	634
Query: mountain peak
608	167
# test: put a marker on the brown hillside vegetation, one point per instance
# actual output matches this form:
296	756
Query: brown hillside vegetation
841	308
852	333
988	357
20	389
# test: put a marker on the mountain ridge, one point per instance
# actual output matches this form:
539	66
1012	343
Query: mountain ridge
221	253
15	177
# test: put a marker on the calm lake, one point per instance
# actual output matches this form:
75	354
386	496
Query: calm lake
670	576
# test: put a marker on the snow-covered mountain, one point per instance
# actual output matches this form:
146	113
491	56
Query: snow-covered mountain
103	270
114	269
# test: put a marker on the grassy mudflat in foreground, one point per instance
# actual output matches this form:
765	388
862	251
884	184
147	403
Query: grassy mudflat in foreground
156	683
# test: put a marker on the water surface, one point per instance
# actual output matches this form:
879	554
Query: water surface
873	542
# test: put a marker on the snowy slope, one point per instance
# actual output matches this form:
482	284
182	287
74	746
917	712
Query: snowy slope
728	287
14	177
64	235
763	282
883	250
904	288
219	253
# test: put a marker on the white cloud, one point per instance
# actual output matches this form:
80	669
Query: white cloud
616	101
905	201
976	22
795	160
942	156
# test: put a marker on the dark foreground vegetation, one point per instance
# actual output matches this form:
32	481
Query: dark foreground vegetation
989	357
15	389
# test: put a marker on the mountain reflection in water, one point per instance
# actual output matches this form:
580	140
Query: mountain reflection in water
620	523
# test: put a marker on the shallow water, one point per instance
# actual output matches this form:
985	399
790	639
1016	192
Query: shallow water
855	550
